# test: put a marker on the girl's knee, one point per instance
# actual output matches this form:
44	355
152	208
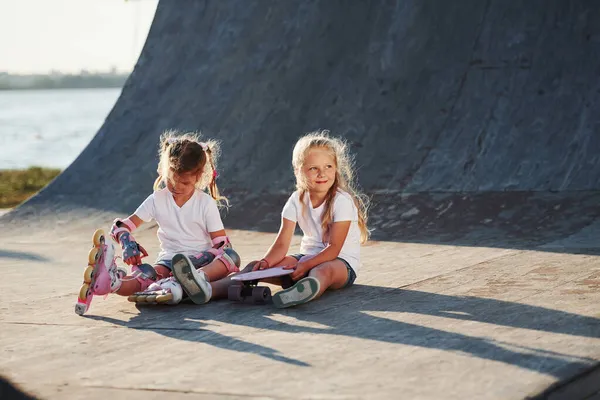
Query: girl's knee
162	271
333	273
323	272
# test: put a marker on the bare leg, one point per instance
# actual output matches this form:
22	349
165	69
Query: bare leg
221	286
331	275
215	270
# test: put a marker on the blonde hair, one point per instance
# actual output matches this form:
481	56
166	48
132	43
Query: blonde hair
184	153
344	178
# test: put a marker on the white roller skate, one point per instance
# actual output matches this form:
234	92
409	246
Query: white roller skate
101	276
164	291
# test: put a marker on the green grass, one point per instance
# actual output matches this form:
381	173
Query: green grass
17	186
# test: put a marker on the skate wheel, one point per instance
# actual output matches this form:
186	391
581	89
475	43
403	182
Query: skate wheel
151	298
88	274
261	295
98	237
132	298
164	298
93	256
84	292
234	293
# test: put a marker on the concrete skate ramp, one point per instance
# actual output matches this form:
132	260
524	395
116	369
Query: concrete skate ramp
475	97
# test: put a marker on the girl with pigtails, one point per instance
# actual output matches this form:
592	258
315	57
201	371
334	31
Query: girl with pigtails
190	231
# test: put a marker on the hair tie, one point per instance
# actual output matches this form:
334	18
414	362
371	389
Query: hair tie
215	174
171	140
204	146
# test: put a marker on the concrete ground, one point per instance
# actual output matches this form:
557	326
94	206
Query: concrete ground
473	127
422	322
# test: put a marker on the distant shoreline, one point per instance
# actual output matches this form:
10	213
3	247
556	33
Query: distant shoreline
84	80
58	88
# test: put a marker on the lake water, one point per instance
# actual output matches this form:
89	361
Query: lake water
50	128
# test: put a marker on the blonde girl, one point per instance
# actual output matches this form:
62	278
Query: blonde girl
332	214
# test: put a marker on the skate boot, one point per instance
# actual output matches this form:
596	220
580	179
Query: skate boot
169	290
102	276
193	281
164	291
302	292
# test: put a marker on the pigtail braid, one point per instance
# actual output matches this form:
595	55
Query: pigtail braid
213	189
166	141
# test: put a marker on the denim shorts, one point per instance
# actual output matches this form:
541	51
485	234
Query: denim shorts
351	273
168	262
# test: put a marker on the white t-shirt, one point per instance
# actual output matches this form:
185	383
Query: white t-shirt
344	209
183	229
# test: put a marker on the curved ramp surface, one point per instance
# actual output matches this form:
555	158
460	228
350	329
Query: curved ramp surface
435	97
476	130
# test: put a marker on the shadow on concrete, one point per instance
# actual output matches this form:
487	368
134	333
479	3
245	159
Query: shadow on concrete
349	314
11	391
197	332
20	255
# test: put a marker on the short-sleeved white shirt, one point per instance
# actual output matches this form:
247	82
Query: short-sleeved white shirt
183	229
344	209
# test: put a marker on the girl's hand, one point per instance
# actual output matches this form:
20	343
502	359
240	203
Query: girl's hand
132	251
135	259
255	265
260	265
300	270
300	265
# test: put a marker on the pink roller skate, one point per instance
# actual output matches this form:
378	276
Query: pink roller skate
102	276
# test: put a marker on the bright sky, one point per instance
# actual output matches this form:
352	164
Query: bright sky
71	35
